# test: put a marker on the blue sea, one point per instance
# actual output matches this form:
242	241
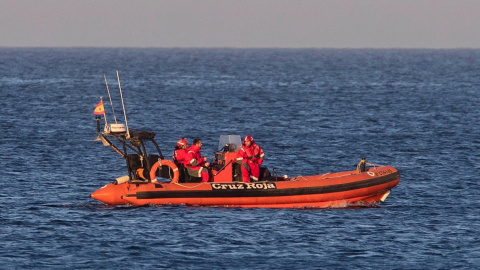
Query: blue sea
312	110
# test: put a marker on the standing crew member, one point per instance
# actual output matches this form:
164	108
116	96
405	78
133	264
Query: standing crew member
250	156
196	164
180	154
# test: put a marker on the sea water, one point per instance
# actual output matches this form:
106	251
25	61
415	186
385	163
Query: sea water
312	110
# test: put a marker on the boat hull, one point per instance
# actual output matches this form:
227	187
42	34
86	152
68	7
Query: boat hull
342	189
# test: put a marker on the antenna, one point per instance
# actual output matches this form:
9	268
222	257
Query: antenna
123	105
109	96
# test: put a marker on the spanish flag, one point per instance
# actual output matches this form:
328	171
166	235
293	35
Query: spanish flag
99	109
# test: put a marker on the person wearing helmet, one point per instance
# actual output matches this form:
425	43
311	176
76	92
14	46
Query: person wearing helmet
196	164
180	154
250	156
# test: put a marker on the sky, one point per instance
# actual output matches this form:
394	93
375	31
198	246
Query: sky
434	24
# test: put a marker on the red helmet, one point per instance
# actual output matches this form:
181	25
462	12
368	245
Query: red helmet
182	142
248	138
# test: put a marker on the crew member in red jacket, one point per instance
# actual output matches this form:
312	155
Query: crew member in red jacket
180	154
196	164
250	156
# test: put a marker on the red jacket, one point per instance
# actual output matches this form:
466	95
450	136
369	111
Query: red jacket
194	157
180	156
251	154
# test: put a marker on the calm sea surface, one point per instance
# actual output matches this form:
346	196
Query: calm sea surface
312	111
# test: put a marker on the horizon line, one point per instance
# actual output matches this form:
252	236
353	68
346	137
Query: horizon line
239	48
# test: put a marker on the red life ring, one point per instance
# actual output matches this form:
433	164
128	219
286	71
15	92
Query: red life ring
169	163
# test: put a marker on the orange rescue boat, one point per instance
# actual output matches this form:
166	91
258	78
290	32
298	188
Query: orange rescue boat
153	180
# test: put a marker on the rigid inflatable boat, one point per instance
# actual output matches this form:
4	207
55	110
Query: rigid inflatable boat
154	180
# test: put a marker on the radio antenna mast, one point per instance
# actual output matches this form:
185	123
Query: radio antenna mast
110	97
123	105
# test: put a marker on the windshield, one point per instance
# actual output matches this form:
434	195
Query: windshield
234	143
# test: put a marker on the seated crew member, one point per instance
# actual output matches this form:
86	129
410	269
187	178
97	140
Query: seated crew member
195	163
180	153
250	157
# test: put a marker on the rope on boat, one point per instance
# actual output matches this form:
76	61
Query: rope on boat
188	186
300	177
296	178
321	176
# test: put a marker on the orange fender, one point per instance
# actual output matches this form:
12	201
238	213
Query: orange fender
169	163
